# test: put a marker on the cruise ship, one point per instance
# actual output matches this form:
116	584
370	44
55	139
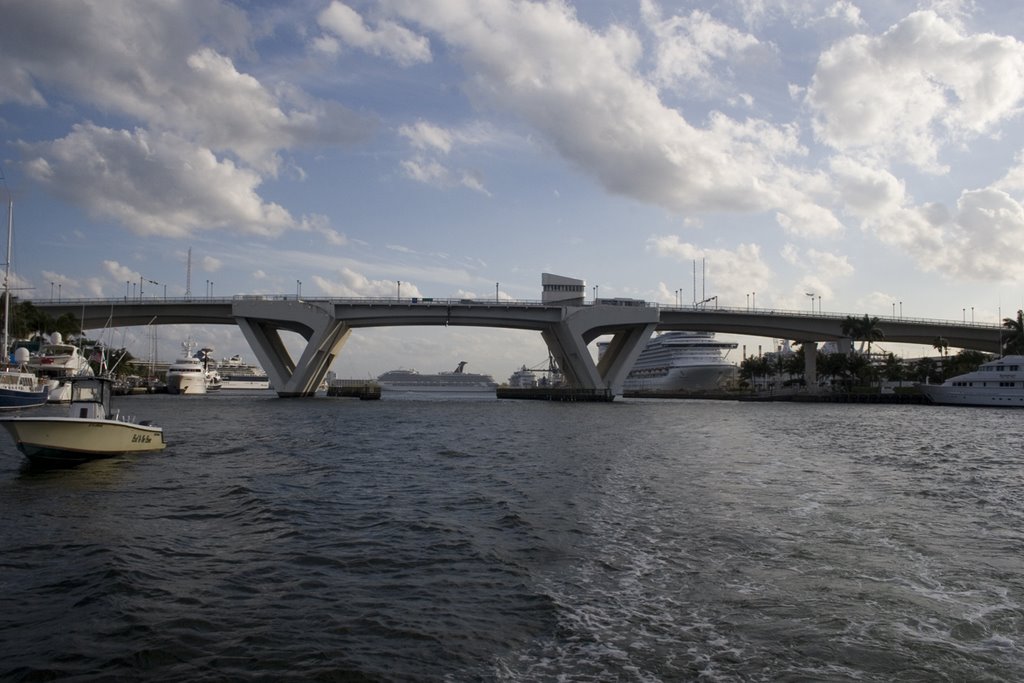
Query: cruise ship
456	380
680	361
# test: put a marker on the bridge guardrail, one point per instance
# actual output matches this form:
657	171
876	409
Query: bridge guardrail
528	303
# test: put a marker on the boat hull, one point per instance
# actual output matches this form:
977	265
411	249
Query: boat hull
56	440
185	385
12	399
682	378
973	396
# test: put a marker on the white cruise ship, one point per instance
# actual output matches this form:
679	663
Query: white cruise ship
680	361
998	382
457	380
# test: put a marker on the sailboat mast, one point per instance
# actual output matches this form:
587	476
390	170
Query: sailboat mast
7	276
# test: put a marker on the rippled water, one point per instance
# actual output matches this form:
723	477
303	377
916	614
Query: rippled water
327	539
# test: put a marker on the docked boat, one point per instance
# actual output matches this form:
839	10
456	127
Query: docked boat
237	374
680	362
90	431
56	362
19	388
998	382
523	378
186	375
457	380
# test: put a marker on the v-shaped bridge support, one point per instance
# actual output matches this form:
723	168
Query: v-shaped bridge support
325	335
567	340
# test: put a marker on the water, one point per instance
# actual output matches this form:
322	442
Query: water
460	540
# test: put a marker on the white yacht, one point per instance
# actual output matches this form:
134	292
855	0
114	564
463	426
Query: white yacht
523	378
456	380
235	373
680	361
998	382
55	362
186	375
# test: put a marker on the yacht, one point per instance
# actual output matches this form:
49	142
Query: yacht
456	380
55	362
186	375
680	361
523	378
998	382
235	373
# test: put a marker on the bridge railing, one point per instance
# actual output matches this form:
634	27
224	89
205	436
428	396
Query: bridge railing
516	303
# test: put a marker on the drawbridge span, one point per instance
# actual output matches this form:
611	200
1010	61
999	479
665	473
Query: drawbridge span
567	327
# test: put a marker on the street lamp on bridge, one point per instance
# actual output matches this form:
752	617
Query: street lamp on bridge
811	294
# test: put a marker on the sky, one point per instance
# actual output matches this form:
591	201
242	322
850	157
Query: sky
868	154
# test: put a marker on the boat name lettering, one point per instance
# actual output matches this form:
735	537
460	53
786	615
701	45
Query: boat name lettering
141	438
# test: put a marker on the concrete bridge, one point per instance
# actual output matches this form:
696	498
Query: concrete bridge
565	321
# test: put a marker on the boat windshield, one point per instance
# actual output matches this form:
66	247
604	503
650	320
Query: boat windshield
90	391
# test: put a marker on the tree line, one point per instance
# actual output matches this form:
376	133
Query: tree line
859	369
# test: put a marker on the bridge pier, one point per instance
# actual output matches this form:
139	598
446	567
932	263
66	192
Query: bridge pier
325	336
811	366
568	339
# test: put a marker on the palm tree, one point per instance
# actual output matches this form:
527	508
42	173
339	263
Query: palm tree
941	345
864	329
1013	343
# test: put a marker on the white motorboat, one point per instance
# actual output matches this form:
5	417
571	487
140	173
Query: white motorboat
457	380
680	361
55	362
998	382
187	374
90	430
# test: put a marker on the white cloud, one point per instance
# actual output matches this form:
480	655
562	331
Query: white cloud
424	135
211	264
120	273
154	184
353	284
581	91
171	81
386	39
689	47
904	94
730	275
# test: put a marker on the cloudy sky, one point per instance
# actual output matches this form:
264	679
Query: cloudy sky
871	154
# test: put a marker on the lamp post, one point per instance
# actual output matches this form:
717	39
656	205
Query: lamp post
51	291
811	294
748	302
298	289
399	289
207	289
496	292
211	289
58	291
753	298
